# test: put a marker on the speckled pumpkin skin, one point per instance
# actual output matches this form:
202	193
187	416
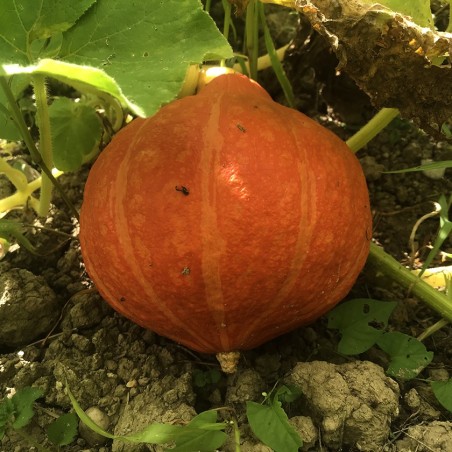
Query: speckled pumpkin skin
225	220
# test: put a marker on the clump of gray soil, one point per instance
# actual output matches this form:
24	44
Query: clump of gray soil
354	404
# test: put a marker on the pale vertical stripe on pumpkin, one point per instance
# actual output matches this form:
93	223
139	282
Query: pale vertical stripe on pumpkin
307	210
213	246
130	256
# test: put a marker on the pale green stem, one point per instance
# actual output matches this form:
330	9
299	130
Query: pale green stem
236	436
264	61
16	177
21	197
28	140
45	140
433	329
19	121
383	262
372	128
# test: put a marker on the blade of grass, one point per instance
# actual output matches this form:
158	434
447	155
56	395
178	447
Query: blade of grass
252	36
275	61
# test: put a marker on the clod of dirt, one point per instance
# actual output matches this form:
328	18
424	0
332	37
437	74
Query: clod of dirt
353	403
28	307
88	310
307	431
244	386
162	402
372	169
419	406
433	437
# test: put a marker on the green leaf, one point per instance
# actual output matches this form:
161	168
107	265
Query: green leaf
418	10
63	430
76	132
82	78
189	440
271	425
25	25
408	355
6	414
23	405
146	46
185	437
8	130
288	393
205	418
55	16
154	434
443	392
201	433
353	319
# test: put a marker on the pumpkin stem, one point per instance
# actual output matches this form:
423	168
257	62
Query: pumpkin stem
228	361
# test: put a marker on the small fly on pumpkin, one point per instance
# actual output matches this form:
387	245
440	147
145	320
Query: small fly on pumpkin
182	189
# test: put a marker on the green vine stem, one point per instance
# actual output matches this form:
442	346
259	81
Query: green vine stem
381	261
372	128
16	177
35	155
432	329
24	196
45	140
236	435
387	265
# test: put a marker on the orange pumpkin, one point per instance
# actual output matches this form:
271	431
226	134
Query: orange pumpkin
225	220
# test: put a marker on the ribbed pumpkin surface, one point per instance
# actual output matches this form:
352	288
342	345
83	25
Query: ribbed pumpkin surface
225	220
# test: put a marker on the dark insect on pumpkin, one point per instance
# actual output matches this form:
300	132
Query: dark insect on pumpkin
182	189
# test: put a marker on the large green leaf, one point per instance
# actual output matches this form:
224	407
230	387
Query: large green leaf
443	392
54	15
408	355
418	10
23	405
271	425
8	130
76	132
144	47
354	320
63	430
25	24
